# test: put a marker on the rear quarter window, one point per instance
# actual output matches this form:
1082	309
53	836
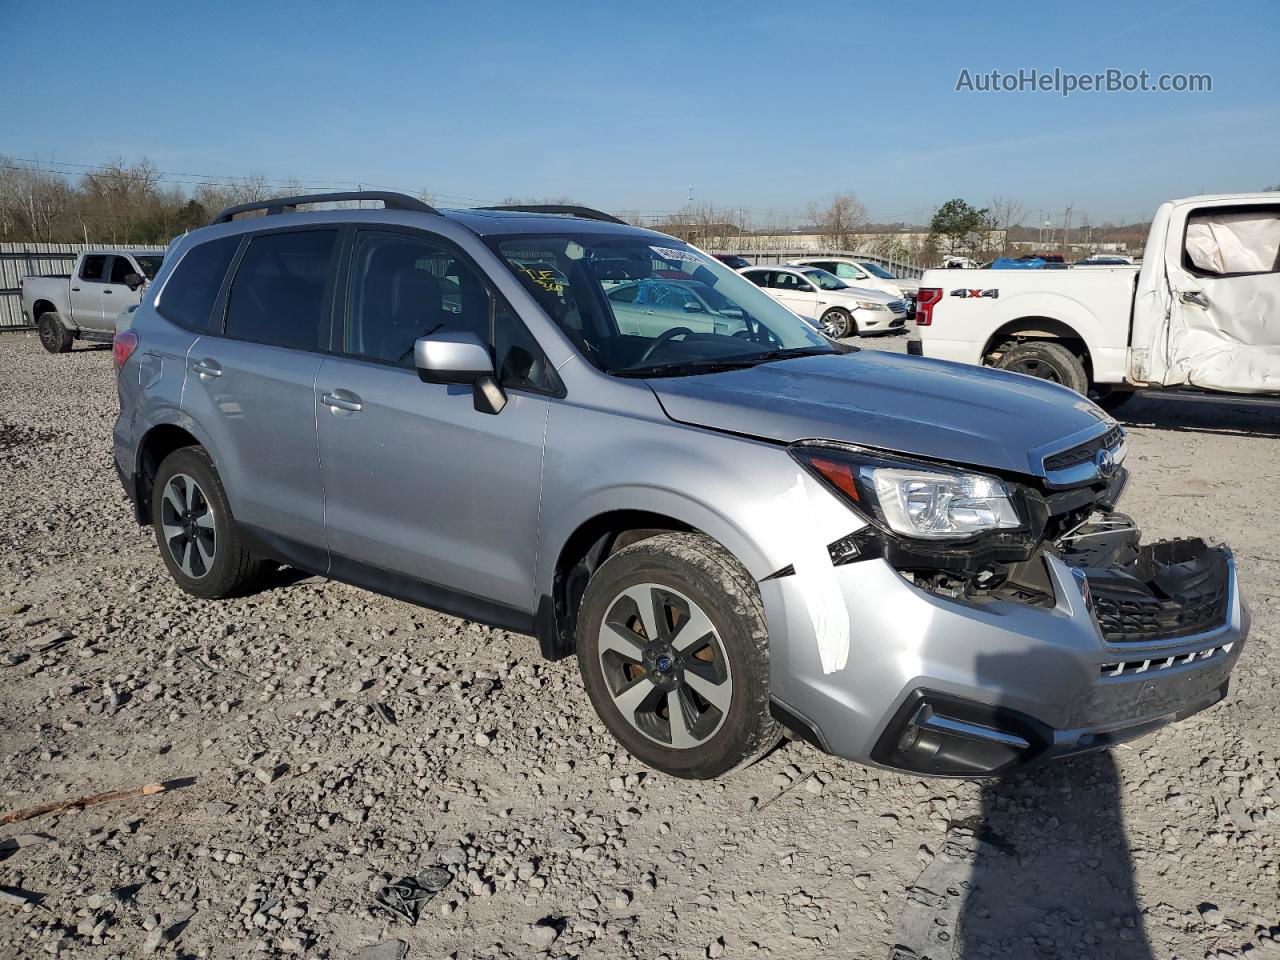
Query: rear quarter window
189	294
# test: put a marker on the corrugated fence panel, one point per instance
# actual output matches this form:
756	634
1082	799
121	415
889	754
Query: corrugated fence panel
18	260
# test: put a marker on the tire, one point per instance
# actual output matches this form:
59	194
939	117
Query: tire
631	679
1112	399
206	559
837	323
1046	360
54	337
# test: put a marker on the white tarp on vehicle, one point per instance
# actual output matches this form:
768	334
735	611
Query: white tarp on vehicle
1222	300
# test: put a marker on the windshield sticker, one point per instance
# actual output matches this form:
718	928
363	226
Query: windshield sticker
667	253
547	279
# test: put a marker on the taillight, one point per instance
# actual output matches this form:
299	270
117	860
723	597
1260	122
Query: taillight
122	346
926	299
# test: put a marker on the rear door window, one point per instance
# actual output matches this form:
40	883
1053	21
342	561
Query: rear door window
192	289
281	289
1233	241
91	267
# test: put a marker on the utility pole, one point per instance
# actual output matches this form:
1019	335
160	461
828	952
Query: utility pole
1066	232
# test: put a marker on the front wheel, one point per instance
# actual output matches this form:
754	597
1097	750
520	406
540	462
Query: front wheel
838	323
674	655
54	337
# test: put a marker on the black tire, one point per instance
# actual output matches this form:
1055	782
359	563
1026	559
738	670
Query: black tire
233	570
54	337
1046	360
704	573
838	323
1112	399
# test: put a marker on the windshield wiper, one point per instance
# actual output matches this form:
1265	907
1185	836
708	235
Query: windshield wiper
717	364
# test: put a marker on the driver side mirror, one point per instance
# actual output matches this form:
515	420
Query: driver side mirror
693	306
460	357
132	280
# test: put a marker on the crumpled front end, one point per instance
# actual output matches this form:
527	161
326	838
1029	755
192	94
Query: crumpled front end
976	661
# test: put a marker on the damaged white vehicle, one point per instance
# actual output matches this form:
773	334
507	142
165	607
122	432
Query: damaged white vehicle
1201	312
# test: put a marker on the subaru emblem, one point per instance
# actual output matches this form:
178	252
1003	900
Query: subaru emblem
1106	463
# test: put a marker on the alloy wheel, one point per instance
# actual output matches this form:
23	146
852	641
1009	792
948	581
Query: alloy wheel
1034	367
48	336
665	666
187	520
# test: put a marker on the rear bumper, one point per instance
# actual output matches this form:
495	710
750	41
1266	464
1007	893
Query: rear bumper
943	687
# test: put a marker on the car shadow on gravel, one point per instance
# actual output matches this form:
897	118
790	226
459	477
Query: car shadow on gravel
1051	874
1189	416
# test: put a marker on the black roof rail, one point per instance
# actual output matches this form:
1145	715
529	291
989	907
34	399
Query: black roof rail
586	213
390	201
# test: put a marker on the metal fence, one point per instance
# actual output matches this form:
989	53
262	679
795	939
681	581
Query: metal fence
18	260
899	268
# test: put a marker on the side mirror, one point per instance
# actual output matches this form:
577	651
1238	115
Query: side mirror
460	357
693	306
132	280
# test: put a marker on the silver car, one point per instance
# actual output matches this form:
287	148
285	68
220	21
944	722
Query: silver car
739	530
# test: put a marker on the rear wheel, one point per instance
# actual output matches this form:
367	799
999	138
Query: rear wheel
195	531
674	654
837	323
54	337
1046	360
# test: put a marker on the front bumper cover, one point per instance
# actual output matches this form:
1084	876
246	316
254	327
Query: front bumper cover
944	686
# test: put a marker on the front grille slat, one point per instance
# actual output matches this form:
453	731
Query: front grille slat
1085	452
1132	618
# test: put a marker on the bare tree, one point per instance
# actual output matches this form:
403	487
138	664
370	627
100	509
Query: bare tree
1005	212
839	219
33	202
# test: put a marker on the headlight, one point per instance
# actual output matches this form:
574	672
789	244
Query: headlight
869	305
913	500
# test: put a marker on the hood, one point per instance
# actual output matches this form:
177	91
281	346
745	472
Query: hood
864	293
930	408
907	285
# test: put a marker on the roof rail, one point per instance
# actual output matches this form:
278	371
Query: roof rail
390	201
586	213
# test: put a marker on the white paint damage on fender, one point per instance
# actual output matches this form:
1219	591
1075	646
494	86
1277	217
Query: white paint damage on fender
809	518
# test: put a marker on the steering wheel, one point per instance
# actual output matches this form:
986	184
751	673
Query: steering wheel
761	335
661	339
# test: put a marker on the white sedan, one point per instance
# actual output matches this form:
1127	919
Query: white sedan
841	310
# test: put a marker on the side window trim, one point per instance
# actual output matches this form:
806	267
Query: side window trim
497	302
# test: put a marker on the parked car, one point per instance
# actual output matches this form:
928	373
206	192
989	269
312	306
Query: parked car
892	557
732	260
906	286
1200	312
83	305
854	274
655	304
841	310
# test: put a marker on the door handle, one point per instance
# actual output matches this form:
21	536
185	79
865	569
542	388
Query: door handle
206	368
1194	297
75	289
343	400
108	292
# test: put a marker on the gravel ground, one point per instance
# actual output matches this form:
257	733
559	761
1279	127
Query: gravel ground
324	740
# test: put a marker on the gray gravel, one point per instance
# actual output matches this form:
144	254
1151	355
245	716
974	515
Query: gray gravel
329	742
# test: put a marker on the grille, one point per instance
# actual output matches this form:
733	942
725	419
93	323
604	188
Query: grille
898	306
1133	618
1131	667
1085	452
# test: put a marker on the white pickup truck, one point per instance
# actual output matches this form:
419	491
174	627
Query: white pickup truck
1201	312
84	304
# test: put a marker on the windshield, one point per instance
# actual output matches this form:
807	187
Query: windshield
826	281
876	270
643	306
150	265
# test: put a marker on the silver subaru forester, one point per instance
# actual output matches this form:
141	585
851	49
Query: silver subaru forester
553	422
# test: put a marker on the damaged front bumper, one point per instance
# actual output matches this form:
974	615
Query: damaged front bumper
1120	639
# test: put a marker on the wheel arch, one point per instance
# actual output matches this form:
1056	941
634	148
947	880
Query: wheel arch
600	531
156	444
42	306
1030	328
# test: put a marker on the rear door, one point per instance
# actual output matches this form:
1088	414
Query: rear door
116	295
1223	266
86	292
424	494
251	387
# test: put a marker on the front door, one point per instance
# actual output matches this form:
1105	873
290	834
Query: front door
86	293
252	388
420	486
797	294
116	293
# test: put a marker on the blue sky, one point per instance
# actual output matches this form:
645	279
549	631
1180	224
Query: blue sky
627	105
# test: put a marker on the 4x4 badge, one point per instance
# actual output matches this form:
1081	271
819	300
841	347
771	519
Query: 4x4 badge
971	294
